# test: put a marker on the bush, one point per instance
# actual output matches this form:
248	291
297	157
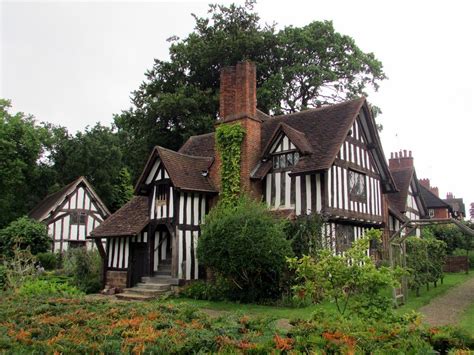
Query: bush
217	290
84	266
352	281
331	334
247	246
38	287
3	277
24	233
48	260
305	234
425	259
19	268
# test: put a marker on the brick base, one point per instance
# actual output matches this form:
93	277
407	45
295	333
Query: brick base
116	279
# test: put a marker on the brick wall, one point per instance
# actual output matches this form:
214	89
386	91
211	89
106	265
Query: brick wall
116	279
456	264
238	105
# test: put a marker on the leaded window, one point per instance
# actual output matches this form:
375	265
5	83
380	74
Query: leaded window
357	187
285	160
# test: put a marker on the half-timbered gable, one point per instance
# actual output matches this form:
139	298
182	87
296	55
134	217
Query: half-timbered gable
71	214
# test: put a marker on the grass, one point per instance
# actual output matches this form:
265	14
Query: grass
467	321
451	280
414	303
257	310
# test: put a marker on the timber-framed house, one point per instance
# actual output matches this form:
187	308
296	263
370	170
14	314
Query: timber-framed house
327	160
71	214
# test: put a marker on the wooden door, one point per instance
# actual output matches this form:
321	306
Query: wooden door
139	262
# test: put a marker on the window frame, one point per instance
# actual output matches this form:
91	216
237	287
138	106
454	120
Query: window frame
78	218
279	157
354	195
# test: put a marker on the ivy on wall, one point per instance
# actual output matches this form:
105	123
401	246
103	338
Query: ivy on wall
229	140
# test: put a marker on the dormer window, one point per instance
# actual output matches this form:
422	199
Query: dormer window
285	160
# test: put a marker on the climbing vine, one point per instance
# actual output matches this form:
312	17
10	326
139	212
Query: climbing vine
229	140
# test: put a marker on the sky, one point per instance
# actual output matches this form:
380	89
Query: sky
75	63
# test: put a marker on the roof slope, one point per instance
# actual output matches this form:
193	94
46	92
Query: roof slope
457	204
187	172
431	200
402	179
325	128
129	220
54	200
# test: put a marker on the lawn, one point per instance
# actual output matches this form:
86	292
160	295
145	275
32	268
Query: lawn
451	280
414	303
467	321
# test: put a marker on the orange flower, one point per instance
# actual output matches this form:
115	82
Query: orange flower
283	343
246	345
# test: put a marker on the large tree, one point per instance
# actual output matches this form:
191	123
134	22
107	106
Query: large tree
23	173
96	154
297	68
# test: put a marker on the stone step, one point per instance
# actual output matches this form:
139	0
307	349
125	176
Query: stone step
163	273
164	267
146	292
153	286
160	280
133	297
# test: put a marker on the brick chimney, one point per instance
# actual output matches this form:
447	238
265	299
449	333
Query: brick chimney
435	191
238	105
449	196
401	160
425	183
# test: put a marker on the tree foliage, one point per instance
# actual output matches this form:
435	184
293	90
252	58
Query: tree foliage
246	245
23	174
22	234
297	68
96	154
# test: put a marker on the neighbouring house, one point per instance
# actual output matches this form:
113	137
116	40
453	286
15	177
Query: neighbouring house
408	201
457	205
71	214
471	212
437	208
327	160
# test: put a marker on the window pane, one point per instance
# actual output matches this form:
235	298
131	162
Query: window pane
297	157
289	159
282	161
357	188
276	162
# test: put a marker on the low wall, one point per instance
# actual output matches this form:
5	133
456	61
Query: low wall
456	264
116	279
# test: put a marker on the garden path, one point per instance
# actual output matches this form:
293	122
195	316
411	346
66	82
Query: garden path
448	308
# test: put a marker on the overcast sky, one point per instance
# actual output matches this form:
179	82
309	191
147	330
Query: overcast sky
75	64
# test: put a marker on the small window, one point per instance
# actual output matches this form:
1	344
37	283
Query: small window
78	218
431	212
285	160
357	188
161	195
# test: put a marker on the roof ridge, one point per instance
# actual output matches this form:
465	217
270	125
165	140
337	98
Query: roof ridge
322	108
182	154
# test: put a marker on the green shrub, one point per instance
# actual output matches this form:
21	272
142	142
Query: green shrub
425	259
305	234
351	280
247	246
24	233
332	334
217	290
19	268
38	287
48	260
3	277
84	266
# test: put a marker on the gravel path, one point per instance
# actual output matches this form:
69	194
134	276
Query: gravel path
448	308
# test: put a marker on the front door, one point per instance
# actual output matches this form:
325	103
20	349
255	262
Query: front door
139	262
